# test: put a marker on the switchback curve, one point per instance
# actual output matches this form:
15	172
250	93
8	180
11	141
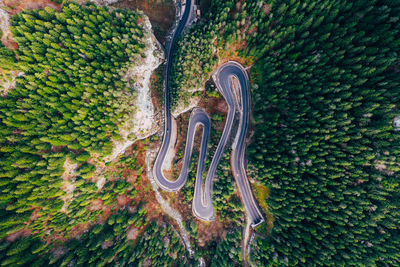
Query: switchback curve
238	104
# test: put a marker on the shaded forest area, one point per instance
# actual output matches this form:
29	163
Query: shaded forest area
325	89
160	12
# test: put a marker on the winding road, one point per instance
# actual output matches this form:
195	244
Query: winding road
238	106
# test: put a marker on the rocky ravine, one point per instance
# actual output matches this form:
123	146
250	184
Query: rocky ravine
141	122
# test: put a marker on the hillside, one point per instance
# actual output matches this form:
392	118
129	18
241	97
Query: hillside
325	82
303	118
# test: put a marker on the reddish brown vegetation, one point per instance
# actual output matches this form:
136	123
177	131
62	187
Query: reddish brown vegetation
131	176
21	233
143	187
230	52
132	233
106	244
79	229
267	8
160	13
209	231
8	42
140	20
213	106
123	201
106	213
17	6
221	106
34	215
96	204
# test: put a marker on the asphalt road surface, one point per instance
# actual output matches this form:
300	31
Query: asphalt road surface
238	105
241	105
157	170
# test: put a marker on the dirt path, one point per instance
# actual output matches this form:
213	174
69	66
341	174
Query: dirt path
246	243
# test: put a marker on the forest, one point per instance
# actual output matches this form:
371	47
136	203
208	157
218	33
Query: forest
64	111
65	106
325	90
106	244
61	202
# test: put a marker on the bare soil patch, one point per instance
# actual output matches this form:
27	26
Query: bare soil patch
6	36
8	42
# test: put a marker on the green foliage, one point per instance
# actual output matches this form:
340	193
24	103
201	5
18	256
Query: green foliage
225	198
196	56
29	251
324	107
159	246
325	92
185	74
228	251
7	57
68	104
105	244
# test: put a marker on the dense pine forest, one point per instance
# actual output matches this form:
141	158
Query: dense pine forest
65	109
322	154
330	91
325	87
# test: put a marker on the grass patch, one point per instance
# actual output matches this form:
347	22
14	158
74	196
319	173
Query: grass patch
261	192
